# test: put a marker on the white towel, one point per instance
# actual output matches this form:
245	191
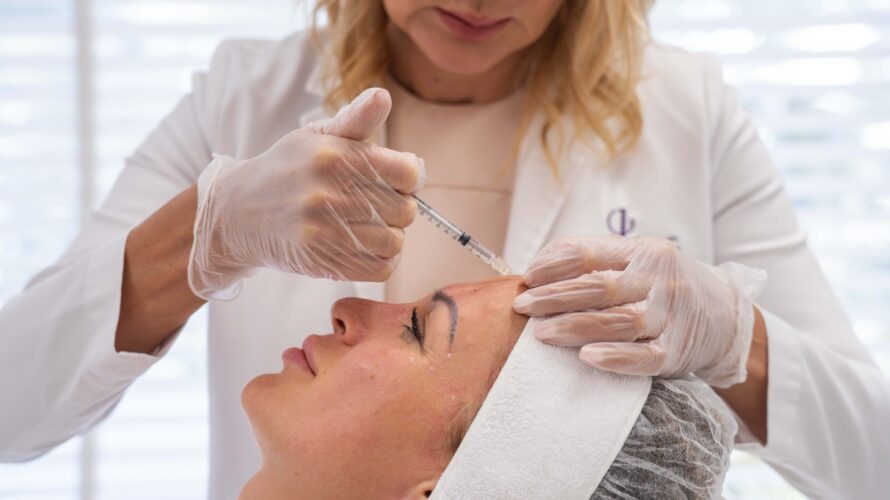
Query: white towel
549	428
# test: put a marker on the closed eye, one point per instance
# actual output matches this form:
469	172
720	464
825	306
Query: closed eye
415	329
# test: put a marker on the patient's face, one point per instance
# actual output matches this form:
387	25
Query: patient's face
368	412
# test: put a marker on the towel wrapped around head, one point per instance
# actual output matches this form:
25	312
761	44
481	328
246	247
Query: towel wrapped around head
553	427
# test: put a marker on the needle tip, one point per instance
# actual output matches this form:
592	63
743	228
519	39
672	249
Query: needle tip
501	267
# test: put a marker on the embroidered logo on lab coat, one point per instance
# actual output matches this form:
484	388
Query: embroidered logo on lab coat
620	222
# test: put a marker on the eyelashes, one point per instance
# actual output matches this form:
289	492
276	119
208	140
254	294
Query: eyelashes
415	329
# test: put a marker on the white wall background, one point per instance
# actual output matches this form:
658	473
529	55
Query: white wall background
814	74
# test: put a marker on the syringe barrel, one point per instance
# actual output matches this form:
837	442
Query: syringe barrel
463	238
478	249
443	223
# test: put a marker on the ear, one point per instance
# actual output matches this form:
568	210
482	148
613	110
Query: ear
422	490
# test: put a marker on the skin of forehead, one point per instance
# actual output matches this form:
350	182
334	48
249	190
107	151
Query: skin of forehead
490	289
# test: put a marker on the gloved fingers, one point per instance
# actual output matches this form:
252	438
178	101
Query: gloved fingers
357	122
366	269
360	119
341	259
596	290
352	267
567	258
625	323
633	358
391	208
359	202
381	241
403	172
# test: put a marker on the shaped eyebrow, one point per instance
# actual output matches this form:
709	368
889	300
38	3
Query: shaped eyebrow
446	299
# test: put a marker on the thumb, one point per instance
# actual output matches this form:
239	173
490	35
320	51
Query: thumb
626	358
360	119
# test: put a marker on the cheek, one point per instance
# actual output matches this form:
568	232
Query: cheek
400	12
374	388
538	15
374	372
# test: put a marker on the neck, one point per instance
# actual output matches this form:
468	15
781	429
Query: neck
411	68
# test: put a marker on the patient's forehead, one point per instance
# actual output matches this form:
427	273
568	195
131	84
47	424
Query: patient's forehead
486	290
485	312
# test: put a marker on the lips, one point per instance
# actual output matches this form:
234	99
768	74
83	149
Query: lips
473	20
302	358
309	352
295	357
469	26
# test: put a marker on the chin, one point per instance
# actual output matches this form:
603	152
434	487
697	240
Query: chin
259	403
460	65
252	394
460	58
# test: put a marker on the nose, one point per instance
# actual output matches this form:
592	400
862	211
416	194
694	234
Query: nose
355	320
350	319
345	321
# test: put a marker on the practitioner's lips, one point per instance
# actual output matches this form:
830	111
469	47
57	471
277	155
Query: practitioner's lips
470	27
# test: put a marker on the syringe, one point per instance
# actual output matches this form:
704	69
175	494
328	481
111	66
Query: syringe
478	249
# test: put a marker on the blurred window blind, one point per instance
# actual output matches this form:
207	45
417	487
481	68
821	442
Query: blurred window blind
154	445
39	185
815	78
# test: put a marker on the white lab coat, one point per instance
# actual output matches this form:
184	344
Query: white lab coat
699	175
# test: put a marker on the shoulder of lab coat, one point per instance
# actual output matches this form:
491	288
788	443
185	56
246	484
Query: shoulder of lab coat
256	91
828	403
58	334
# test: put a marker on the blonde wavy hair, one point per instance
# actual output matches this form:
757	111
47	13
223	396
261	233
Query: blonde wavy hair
585	67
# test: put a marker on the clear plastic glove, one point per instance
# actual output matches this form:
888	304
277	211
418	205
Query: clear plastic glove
640	307
320	202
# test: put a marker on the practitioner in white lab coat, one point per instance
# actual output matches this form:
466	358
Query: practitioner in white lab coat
249	195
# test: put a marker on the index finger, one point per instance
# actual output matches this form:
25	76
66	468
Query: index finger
404	172
568	258
594	291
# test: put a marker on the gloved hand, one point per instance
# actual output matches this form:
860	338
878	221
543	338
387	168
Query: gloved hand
320	202
640	307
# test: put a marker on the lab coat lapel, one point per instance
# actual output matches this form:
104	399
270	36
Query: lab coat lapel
538	199
315	87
